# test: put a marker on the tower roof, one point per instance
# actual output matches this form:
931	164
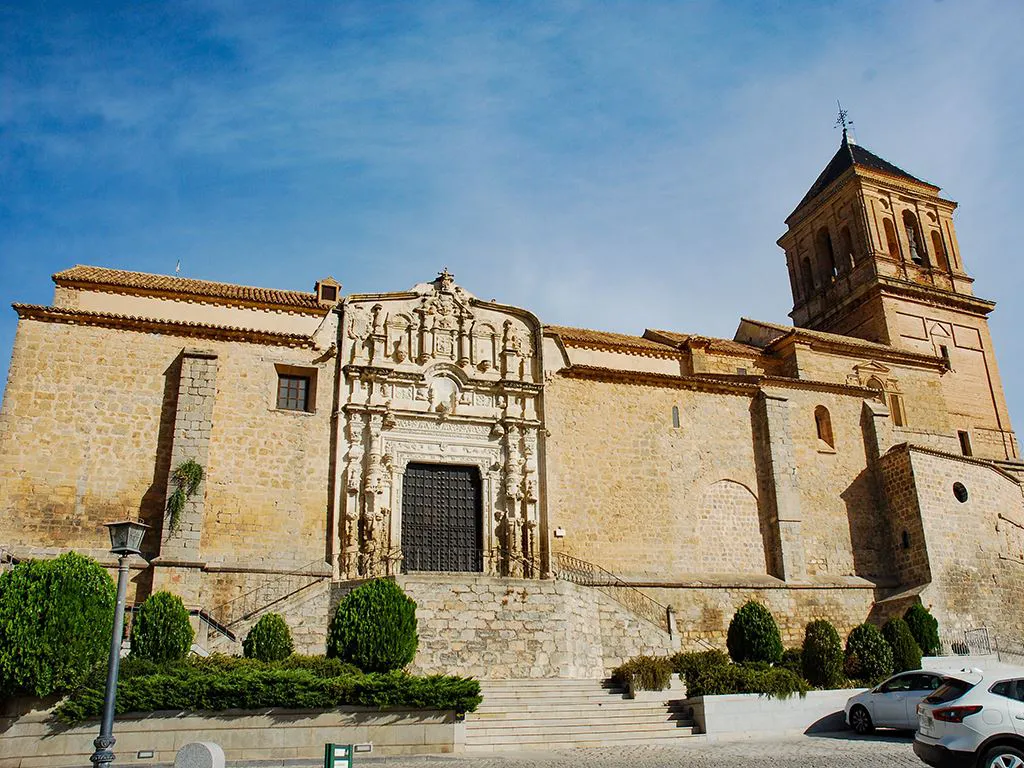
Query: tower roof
850	155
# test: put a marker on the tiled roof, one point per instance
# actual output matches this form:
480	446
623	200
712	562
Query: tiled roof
839	340
585	336
142	281
183	327
847	156
726	346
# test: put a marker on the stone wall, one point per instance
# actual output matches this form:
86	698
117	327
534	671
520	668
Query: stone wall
493	628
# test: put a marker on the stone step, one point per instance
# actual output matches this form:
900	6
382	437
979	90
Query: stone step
568	714
579	707
573	726
565	740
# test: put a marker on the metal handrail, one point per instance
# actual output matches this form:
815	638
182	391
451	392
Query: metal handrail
225	613
577	571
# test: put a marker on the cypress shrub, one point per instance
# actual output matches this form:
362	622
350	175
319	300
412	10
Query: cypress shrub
925	629
161	631
644	673
754	635
269	639
685	664
56	617
792	659
374	628
822	656
868	656
906	654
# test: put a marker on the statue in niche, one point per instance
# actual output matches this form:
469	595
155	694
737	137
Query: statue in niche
912	240
399	353
375	531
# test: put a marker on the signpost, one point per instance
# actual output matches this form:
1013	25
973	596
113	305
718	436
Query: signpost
340	755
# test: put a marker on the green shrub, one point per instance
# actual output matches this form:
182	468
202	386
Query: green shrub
269	639
321	666
822	657
161	630
754	635
905	652
644	673
925	629
56	617
253	685
868	657
374	628
773	682
685	664
792	659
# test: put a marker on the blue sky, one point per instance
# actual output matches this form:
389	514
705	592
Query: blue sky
610	165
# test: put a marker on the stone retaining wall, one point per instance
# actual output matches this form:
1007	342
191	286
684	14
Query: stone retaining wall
34	740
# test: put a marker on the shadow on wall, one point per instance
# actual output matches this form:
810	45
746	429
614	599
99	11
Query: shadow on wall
151	508
869	532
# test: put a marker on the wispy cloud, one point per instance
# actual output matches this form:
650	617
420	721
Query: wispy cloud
616	165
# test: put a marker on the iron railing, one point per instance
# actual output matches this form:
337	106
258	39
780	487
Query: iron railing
273	590
586	574
969	642
7	559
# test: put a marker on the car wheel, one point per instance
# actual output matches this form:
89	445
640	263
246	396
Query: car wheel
861	723
1004	757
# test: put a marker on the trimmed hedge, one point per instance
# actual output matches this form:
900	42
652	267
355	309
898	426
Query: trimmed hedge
189	688
56	617
868	657
754	635
269	639
644	673
318	666
374	628
822	656
925	629
686	664
905	652
773	682
161	630
792	659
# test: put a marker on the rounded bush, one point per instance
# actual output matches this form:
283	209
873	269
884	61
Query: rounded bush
644	673
868	656
161	630
906	654
925	629
792	659
754	635
822	656
269	639
374	628
56	617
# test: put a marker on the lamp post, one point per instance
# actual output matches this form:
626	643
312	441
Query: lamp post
125	541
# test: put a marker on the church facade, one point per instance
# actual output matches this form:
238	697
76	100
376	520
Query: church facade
542	491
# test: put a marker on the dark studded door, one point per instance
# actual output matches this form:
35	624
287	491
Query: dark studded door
441	518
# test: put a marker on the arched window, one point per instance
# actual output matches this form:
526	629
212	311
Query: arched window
878	387
807	273
847	258
891	244
918	254
940	250
823	423
826	255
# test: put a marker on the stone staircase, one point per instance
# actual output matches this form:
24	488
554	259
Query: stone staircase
533	714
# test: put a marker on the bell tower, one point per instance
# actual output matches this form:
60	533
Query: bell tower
872	253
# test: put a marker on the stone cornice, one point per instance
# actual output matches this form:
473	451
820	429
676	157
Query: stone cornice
595	373
972	460
167	327
867	349
935	296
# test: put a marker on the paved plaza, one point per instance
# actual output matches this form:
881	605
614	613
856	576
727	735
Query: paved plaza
826	751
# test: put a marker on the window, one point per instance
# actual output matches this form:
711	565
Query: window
823	423
807	273
944	354
960	492
292	392
1011	689
901	683
296	388
940	250
896	410
965	442
878	388
826	254
891	244
846	255
675	416
918	255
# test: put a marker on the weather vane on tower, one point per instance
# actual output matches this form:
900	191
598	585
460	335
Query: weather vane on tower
843	119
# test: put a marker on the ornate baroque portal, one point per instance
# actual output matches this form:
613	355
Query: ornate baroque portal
436	377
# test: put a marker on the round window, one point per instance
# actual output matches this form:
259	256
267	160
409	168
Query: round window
960	491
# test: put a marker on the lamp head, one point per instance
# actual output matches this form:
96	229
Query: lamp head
126	537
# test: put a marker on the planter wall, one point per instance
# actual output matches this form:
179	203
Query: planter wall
752	715
35	740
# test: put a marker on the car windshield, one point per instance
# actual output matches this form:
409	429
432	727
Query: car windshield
950	690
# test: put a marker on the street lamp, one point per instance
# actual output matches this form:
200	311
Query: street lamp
125	541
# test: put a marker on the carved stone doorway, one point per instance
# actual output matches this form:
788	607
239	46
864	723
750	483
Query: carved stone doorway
442	520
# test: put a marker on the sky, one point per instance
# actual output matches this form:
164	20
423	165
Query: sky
612	165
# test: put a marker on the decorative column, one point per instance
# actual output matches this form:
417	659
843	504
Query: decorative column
353	484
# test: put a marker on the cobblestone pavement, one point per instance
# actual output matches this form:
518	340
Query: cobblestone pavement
839	751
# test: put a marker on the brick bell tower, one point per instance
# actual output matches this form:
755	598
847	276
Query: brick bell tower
872	253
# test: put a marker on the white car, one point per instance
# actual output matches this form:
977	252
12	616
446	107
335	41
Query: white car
892	704
975	719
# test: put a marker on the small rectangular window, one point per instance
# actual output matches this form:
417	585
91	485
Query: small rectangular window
944	354
292	392
965	443
896	409
741	371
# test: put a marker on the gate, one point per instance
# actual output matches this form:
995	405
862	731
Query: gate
442	523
